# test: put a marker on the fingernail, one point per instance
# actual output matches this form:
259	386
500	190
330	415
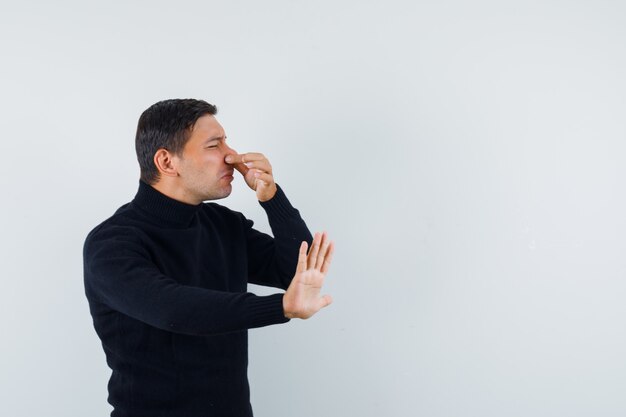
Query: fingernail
229	159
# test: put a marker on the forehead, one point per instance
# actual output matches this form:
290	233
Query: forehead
206	127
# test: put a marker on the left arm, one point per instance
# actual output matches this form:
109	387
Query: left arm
271	261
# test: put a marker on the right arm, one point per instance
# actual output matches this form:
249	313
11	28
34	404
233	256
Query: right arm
119	273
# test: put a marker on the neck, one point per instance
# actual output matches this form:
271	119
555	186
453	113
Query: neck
173	190
154	203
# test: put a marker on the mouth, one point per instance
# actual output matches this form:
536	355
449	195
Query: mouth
229	174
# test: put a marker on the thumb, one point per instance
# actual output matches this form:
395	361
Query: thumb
301	267
241	168
325	301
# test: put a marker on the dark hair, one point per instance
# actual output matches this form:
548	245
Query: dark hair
166	124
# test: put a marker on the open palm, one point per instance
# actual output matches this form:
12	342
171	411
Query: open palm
302	299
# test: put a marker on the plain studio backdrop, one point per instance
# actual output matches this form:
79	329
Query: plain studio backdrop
466	157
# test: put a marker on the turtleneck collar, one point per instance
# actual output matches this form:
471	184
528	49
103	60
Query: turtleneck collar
165	208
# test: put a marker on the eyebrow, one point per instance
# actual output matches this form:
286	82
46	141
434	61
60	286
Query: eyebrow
215	138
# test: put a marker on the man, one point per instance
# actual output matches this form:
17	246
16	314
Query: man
166	275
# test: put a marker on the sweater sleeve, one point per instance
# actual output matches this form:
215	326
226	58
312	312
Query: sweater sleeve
272	261
119	273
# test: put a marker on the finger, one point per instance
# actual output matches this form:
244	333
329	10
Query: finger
265	177
262	165
315	247
323	249
329	258
244	157
301	267
234	158
253	156
246	161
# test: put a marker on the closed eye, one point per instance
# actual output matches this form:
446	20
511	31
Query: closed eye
215	142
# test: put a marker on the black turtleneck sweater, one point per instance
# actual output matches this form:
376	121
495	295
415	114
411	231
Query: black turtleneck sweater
167	289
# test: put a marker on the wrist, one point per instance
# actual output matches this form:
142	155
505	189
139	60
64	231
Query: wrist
288	314
268	194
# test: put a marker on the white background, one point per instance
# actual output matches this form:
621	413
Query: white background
466	157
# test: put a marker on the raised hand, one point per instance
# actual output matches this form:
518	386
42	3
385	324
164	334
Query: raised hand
302	299
256	171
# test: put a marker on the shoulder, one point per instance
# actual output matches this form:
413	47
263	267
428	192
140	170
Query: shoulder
117	230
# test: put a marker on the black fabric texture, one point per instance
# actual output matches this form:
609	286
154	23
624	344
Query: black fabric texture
167	289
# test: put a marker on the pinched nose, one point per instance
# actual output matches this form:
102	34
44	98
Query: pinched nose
229	151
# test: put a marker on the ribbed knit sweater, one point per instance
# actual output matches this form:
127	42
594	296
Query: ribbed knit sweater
167	289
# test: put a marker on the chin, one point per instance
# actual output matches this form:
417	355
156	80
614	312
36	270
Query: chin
219	195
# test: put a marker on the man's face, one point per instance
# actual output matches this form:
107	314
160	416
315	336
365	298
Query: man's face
203	171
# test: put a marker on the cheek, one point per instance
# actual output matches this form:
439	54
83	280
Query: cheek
213	161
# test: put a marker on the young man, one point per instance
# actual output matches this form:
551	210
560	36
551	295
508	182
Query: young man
166	276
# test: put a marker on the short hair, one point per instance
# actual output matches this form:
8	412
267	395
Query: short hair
166	124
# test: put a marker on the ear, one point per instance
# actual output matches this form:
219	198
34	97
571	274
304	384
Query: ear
165	163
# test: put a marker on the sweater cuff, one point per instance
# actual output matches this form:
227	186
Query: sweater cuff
266	310
279	206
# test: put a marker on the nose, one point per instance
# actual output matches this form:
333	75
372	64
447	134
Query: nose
228	151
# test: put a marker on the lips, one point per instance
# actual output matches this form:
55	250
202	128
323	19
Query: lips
228	174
